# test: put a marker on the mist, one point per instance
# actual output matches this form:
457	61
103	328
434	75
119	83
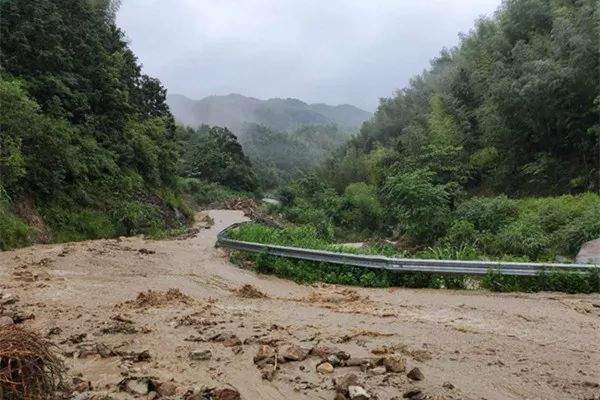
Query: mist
335	51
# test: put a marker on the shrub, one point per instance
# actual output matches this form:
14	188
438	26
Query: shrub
488	213
359	208
421	208
13	231
461	232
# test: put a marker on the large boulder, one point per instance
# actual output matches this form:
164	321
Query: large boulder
589	253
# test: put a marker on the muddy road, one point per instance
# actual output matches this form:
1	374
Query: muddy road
198	329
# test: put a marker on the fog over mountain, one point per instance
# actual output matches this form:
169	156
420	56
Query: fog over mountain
333	51
235	111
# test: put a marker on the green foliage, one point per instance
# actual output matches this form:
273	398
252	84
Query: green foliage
89	138
280	156
213	154
204	193
488	214
555	281
512	109
419	206
359	208
309	272
13	231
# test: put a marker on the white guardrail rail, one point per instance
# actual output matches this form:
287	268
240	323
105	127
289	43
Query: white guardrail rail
399	264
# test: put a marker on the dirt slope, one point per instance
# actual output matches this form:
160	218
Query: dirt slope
488	346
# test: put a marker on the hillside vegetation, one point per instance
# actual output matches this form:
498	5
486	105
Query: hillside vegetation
88	146
280	156
464	162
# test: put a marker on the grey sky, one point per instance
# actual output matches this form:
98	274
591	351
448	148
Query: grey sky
331	51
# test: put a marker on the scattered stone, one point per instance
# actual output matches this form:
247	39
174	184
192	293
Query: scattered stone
227	339
448	385
224	394
166	389
342	383
357	362
414	394
394	363
134	356
200	355
377	371
334	360
325	368
136	385
293	353
268	372
265	352
8	299
146	251
53	331
358	393
415	374
324	351
6	321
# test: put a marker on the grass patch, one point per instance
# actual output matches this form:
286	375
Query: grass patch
303	271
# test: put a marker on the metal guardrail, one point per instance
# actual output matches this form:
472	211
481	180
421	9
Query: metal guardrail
398	264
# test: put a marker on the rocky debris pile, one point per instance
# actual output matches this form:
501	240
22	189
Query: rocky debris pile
153	388
270	357
250	292
153	298
10	313
251	210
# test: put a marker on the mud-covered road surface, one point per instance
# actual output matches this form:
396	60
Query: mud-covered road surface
91	299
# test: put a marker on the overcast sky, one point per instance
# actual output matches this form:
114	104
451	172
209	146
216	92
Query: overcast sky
331	51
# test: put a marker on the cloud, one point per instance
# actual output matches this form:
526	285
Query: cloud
333	51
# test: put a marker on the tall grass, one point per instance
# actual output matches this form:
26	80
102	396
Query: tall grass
308	271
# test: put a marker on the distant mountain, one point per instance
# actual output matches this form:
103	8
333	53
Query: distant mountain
234	111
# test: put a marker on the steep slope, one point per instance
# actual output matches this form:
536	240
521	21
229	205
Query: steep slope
234	111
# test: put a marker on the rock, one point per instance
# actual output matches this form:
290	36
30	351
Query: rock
358	393
415	374
334	360
414	394
53	331
294	353
342	383
137	386
589	253
233	341
394	363
228	340
325	368
152	395
6	321
225	394
166	389
357	362
377	371
8	299
264	352
340	396
324	351
268	372
200	355
448	385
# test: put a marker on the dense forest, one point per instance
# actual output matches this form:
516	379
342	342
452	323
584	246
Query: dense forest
279	157
459	158
88	146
